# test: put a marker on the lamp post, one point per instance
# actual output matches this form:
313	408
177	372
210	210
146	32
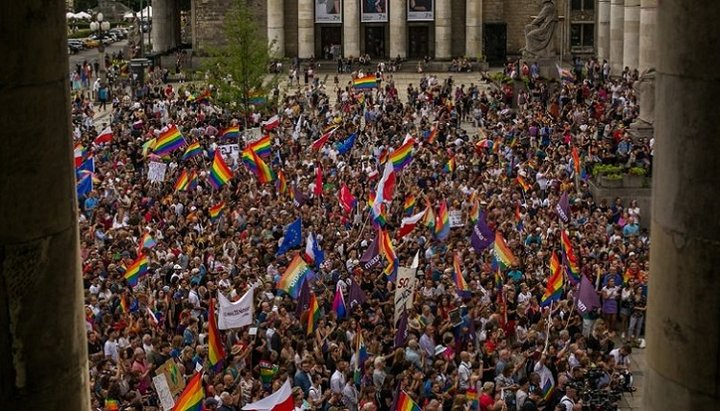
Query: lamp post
100	27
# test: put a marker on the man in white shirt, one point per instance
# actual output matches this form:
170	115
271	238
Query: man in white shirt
337	380
464	371
111	347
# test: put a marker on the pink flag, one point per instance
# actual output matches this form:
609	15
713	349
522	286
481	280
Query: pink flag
347	201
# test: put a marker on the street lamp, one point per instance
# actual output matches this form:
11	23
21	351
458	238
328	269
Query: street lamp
100	27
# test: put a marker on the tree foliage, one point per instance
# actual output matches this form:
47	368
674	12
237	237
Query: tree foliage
239	68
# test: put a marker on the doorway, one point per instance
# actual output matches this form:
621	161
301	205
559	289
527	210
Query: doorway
495	43
375	41
418	42
330	42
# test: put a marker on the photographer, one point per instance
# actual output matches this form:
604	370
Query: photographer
570	402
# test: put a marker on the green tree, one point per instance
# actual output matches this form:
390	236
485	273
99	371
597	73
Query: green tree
239	68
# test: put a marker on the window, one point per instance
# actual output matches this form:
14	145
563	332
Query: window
582	35
580	5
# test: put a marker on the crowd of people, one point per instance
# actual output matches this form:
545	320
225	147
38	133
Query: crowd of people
493	346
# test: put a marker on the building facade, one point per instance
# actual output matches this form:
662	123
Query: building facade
413	29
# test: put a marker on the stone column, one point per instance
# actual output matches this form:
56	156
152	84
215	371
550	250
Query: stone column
351	28
398	28
276	27
648	35
617	26
473	29
443	32
603	36
631	41
163	27
683	339
43	349
306	29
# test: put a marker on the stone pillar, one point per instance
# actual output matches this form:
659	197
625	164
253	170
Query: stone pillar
617	26
473	29
648	35
43	349
631	41
351	28
443	32
163	26
603	36
683	339
306	29
398	28
276	27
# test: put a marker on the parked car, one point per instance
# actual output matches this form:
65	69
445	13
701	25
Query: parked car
118	32
75	45
91	42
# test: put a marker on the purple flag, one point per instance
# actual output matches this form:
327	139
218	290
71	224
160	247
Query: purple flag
482	236
588	299
299	198
303	301
371	256
356	296
402	330
563	208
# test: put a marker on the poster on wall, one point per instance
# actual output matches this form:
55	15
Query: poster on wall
374	11
328	11
421	10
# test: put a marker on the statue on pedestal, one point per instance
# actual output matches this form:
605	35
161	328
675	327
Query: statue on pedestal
540	33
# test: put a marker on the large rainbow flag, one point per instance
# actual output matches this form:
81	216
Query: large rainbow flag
192	396
261	146
460	284
313	314
294	276
402	156
365	82
168	141
502	251
137	269
181	182
220	173
442	223
405	403
192	150
554	288
571	263
386	250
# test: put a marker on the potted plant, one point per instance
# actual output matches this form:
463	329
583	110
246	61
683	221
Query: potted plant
635	177
614	180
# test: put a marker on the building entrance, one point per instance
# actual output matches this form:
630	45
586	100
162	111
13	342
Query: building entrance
418	41
375	41
495	41
330	42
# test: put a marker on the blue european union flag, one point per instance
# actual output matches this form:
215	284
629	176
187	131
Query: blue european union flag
345	145
84	185
292	238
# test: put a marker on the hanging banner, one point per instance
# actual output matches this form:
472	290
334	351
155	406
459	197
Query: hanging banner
421	10
374	11
329	11
235	314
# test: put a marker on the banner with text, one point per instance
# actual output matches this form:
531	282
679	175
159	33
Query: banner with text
328	11
374	11
421	10
235	314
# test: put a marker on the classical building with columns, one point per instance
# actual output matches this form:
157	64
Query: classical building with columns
627	34
414	29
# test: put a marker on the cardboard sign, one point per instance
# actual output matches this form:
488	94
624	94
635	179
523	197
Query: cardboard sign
455	217
230	153
173	377
163	389
156	172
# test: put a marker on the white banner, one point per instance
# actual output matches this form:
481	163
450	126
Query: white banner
252	134
230	153
374	11
405	288
163	390
456	219
156	171
329	11
235	314
421	10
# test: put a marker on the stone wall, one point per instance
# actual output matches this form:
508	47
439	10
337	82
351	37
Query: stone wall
493	11
208	18
642	195
457	22
291	28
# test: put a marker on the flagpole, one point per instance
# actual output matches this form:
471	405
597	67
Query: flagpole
549	323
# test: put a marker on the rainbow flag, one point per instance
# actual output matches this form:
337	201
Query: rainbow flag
192	150
571	263
281	183
442	222
450	165
137	269
429	217
112	405
192	184
257	99
124	305
313	314
498	279
554	288
294	276
192	396
168	141
261	146
474	214
409	204
405	403
256	164
365	82
525	186
432	134
460	284
216	352
216	210
232	132
627	276
146	241
402	156
181	182
502	251
220	174
386	249
249	160
576	160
